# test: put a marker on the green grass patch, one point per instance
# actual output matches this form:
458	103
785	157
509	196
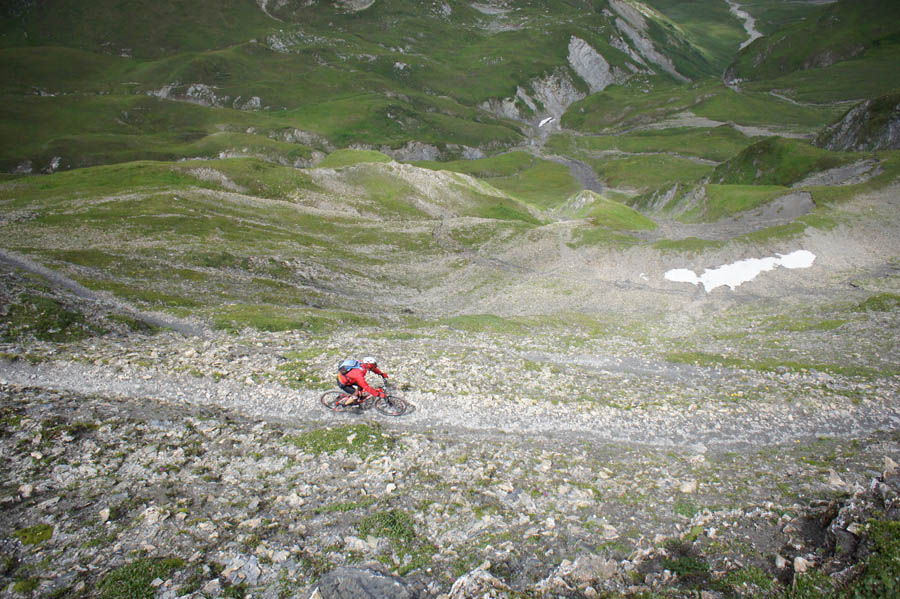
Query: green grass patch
26	586
722	201
133	580
600	236
59	188
392	524
714	143
399	527
774	364
251	175
778	232
342	158
880	302
687	566
688	245
34	535
538	182
345	506
777	161
139	293
361	439
484	323
620	107
276	318
390	194
764	110
881	577
44	319
749	578
604	212
648	171
800	325
685	507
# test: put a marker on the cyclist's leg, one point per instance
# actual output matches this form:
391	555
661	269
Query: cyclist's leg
352	397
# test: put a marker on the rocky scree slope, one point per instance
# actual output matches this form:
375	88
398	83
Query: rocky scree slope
97	485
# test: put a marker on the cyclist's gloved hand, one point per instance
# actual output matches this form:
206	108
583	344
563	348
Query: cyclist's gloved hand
384	376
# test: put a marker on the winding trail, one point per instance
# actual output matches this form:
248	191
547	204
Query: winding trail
55	278
683	406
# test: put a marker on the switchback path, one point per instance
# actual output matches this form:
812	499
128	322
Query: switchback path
57	279
645	402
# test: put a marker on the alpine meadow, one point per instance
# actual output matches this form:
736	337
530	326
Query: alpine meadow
631	267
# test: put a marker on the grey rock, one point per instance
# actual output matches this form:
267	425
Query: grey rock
364	583
868	126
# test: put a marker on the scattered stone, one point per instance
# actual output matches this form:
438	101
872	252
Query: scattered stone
688	487
364	583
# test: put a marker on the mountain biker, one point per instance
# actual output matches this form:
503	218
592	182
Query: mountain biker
352	380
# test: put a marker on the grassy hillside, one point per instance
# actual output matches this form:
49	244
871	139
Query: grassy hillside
776	161
541	183
74	75
121	28
845	50
621	109
252	100
835	33
258	238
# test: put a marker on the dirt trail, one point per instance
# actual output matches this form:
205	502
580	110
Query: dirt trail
164	321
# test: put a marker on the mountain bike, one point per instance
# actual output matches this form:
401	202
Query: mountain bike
389	405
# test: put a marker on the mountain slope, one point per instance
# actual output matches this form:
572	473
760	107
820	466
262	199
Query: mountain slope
865	33
449	75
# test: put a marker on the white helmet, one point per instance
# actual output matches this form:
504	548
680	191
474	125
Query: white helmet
369	360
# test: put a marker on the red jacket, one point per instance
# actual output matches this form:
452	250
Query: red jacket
357	376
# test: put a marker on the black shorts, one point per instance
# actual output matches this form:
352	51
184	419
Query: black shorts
349	389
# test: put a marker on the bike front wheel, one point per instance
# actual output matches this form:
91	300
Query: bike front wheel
391	405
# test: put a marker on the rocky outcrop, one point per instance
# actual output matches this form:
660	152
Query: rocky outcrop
363	583
633	25
556	92
205	95
591	66
296	136
416	150
849	174
870	125
549	96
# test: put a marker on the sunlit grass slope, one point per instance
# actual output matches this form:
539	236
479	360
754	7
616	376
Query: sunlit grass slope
541	183
190	237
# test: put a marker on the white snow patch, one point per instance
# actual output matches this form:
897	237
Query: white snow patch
741	271
545	121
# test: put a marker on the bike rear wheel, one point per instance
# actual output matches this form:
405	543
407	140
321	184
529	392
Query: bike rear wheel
332	399
391	405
